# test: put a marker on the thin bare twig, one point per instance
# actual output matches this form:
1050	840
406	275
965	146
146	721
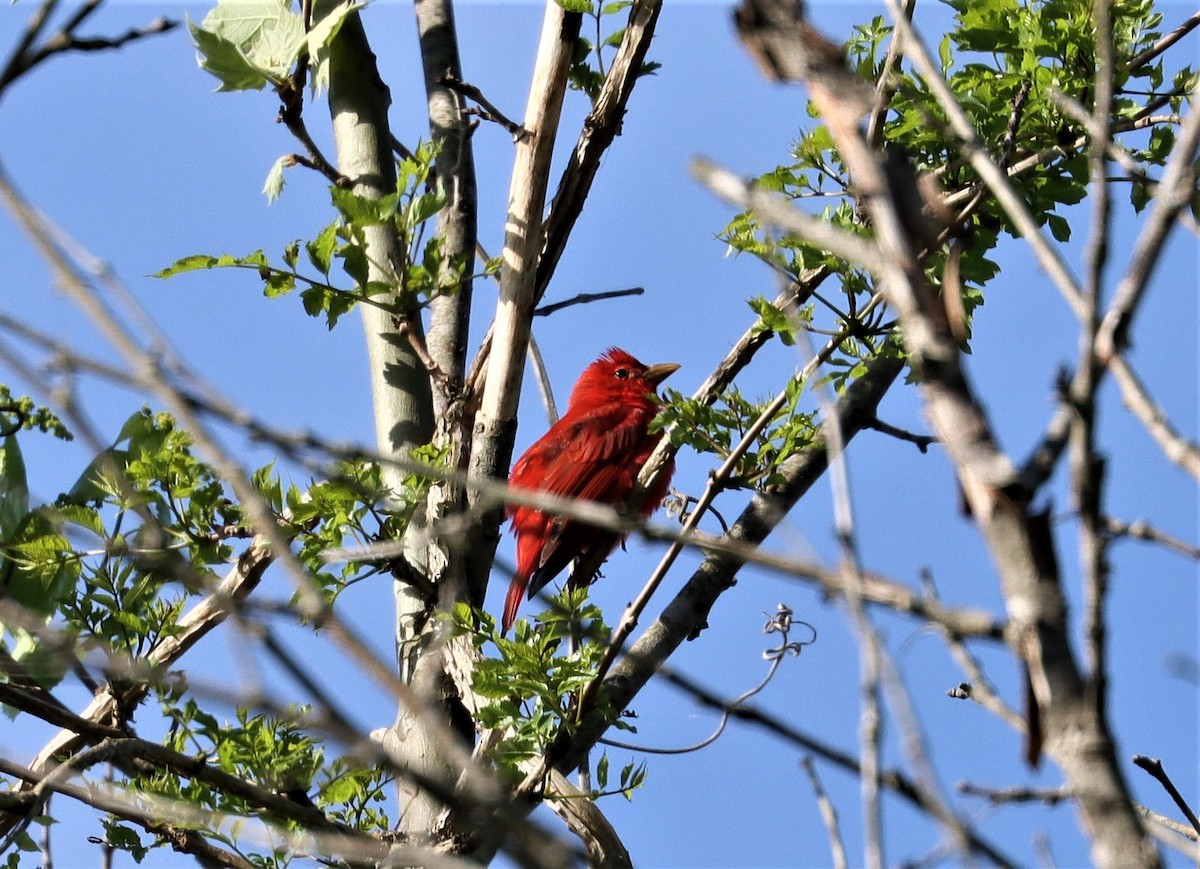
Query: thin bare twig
489	111
1170	824
922	442
1047	796
1087	467
542	377
781	623
884	87
1183	452
1142	530
1175	190
25	56
1166	42
828	814
584	299
1154	767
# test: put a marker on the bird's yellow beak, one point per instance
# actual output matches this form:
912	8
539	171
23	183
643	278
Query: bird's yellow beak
656	374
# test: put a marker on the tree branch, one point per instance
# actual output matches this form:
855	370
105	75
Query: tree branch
523	241
1183	452
25	56
599	129
1020	540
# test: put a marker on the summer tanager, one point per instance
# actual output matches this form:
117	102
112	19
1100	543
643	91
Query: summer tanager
594	452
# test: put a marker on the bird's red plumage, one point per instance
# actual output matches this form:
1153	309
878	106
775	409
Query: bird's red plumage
594	452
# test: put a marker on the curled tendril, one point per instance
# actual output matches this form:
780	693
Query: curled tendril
678	506
21	418
782	623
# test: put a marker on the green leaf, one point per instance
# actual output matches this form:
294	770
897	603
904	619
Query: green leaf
196	262
321	36
360	210
226	61
40	569
774	319
247	44
614	39
320	249
95	483
14	489
341	790
354	262
423	207
278	284
575	5
1059	228
187	264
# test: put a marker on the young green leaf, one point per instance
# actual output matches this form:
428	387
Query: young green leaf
273	186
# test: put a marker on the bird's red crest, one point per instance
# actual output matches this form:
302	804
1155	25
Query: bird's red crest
617	356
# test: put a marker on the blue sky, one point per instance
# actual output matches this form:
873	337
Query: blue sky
137	157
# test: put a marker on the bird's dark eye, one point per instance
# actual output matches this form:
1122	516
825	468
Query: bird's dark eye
622	374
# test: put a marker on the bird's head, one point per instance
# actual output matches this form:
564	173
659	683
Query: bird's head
618	377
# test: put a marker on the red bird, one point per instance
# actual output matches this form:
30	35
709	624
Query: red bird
594	452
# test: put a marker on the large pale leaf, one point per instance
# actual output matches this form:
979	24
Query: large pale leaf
248	44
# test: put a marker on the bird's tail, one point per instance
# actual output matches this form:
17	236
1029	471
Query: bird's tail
516	591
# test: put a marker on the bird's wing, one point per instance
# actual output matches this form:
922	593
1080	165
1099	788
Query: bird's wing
596	454
594	459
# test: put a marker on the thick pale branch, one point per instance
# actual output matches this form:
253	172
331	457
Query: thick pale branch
523	243
449	314
358	105
604	847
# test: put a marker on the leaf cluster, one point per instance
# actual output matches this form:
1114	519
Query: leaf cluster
587	71
719	427
351	507
113	562
533	683
274	753
1005	60
116	555
424	272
